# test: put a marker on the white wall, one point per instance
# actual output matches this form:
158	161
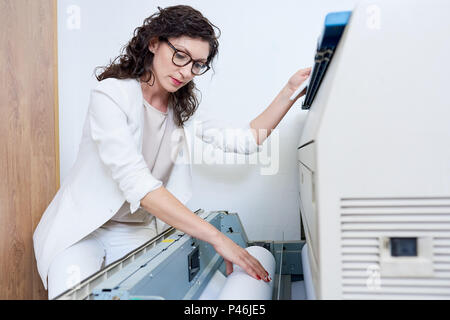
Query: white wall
262	44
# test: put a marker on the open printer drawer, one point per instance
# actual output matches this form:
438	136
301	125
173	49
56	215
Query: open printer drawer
175	266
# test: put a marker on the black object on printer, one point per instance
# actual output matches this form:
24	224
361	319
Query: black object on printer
335	24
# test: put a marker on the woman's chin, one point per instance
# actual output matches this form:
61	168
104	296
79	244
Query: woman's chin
173	89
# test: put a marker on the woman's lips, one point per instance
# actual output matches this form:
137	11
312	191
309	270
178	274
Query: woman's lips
176	82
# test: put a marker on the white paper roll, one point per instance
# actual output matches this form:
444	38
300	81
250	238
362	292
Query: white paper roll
307	276
241	286
214	287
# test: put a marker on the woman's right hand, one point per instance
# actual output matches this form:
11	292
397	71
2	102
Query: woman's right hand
232	253
162	204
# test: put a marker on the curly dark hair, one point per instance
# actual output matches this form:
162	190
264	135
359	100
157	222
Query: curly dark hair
175	21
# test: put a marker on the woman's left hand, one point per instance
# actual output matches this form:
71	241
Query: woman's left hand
297	79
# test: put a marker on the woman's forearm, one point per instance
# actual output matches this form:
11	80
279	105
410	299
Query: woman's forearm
263	124
271	117
163	205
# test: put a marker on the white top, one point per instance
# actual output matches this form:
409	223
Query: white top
157	151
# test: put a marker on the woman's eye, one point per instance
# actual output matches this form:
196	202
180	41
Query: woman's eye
180	55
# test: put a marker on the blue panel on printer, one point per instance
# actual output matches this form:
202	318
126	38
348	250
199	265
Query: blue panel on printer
335	23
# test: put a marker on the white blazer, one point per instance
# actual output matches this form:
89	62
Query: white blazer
110	169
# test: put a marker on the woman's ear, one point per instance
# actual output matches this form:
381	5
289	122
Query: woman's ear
153	45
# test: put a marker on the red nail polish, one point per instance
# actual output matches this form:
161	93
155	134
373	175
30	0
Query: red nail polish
259	278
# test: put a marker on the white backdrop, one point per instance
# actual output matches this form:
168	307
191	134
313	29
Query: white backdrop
262	44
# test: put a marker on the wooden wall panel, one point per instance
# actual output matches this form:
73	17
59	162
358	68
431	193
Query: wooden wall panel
29	160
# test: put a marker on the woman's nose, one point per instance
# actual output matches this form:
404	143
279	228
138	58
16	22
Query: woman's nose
186	71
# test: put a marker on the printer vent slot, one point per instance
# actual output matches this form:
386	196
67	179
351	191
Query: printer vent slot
364	221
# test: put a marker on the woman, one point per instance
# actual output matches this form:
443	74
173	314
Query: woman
125	186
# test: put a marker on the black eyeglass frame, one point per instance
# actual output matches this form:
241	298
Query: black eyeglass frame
190	58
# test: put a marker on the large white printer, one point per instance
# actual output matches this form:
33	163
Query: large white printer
374	174
374	155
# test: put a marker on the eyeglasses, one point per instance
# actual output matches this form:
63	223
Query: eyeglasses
181	59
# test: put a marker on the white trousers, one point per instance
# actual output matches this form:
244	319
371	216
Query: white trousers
105	245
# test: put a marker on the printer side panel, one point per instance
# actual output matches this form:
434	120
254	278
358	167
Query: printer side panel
380	224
